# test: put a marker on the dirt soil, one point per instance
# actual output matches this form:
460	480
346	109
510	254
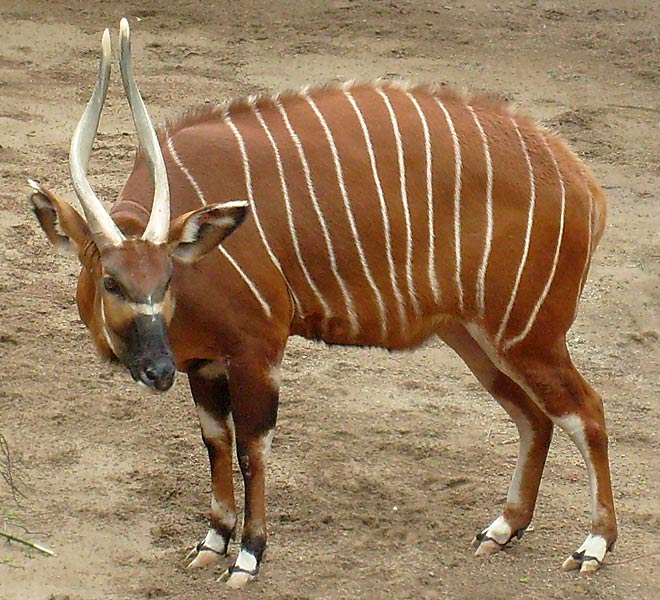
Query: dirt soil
384	465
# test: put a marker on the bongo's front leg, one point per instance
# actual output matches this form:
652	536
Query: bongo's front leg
210	389
254	390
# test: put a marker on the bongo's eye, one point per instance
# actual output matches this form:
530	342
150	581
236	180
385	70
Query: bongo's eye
110	284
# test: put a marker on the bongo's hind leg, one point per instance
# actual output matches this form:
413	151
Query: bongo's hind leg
535	433
551	379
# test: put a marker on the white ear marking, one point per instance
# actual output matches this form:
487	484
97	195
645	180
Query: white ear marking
235	204
190	229
224	221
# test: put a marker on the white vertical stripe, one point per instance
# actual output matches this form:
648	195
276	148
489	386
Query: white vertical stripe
177	159
555	260
404	199
349	213
433	278
348	298
383	211
528	234
587	260
457	202
248	281
590	238
193	182
253	206
289	216
481	280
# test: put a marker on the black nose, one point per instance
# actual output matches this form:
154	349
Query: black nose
159	374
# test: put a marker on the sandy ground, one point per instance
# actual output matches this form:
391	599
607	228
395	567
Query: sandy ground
384	466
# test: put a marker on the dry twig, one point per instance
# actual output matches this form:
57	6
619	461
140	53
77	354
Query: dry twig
7	470
39	547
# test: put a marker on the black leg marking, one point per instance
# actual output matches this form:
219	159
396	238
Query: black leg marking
202	547
482	537
581	557
255	546
234	569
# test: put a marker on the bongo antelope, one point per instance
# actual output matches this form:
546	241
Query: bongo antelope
374	214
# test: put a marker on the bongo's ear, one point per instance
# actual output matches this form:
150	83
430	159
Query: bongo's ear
196	233
61	223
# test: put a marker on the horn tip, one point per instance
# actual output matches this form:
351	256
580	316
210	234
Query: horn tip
124	29
107	49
